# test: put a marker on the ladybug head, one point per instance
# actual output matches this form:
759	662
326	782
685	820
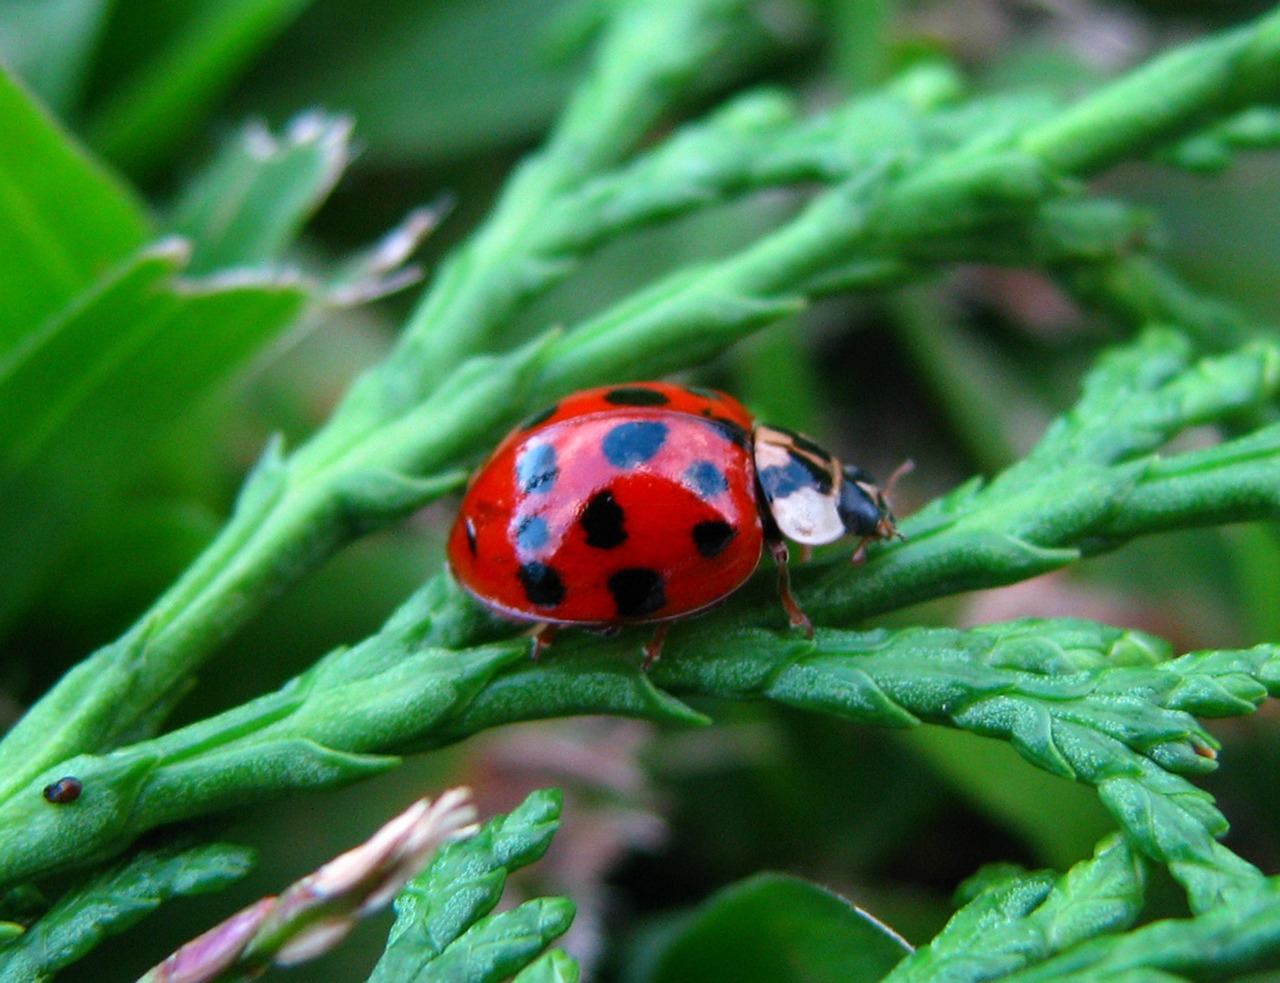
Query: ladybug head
864	507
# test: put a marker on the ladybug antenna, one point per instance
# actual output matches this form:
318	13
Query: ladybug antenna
904	469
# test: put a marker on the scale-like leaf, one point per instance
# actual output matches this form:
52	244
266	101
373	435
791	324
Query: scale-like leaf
113	901
1020	920
443	929
553	966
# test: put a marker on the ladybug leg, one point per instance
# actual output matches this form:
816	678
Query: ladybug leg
886	530
544	635
653	647
778	551
806	553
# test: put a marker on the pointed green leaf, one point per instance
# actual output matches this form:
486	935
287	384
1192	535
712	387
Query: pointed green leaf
1238	941
1017	920
497	947
64	220
82	401
250	202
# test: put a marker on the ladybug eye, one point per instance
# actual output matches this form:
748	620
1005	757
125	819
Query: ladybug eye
859	510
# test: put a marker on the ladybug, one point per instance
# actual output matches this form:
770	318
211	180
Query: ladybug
647	502
63	791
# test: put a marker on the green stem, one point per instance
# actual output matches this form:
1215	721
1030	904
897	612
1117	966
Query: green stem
1174	95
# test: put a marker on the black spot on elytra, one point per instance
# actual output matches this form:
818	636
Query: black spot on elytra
469	528
542	416
635	396
799	472
542	585
536	469
637	592
531	534
711	537
726	428
602	521
632	443
705	479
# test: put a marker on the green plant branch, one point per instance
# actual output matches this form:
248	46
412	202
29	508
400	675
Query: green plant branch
115	899
1172	97
759	141
1025	919
1035	928
1227	942
463	884
1215	148
1073	494
430	677
1084	701
361	470
1091	704
286	520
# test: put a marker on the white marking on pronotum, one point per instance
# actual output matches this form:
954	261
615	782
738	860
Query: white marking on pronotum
805	514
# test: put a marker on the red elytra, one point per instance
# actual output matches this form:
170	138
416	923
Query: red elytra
647	502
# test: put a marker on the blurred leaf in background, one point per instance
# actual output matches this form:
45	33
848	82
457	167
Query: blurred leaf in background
779	928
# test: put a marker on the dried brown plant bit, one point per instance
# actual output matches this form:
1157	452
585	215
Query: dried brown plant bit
314	914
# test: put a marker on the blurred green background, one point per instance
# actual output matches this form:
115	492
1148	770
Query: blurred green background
959	373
